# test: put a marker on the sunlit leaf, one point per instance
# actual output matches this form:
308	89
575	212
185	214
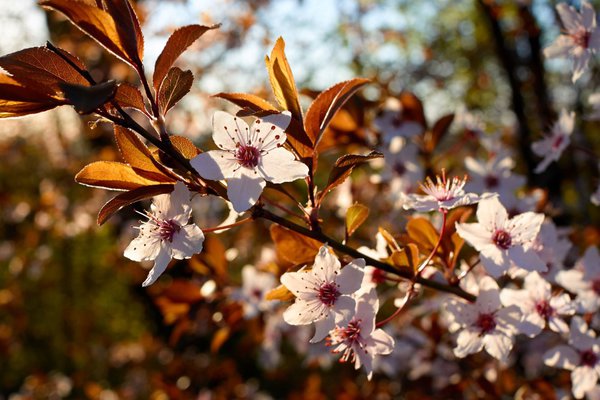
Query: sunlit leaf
183	291
325	106
128	27
111	175
211	261
422	232
219	338
406	258
176	84
124	199
389	239
412	108
280	293
355	216
344	166
136	154
179	41
294	247
282	80
128	96
249	103
184	146
100	26
440	128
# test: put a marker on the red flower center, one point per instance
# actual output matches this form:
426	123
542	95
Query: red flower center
581	38
596	286
544	309
328	294
247	156
167	229
491	181
486	323
502	239
351	333
588	358
378	276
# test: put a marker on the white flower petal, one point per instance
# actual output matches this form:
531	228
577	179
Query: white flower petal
160	265
561	48
491	214
244	189
351	277
187	242
570	18
562	356
279	165
303	312
476	234
588	15
498	345
384	343
269	131
322	328
468	342
144	247
584	379
580	64
228	130
326	267
528	260
215	165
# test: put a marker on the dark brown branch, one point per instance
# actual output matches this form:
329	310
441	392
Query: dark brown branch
258	212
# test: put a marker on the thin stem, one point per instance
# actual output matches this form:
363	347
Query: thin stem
258	212
437	245
282	208
391	317
220	228
468	270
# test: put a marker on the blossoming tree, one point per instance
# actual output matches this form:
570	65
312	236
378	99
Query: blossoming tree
495	283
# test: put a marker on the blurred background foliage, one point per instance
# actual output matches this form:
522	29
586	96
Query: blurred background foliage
74	321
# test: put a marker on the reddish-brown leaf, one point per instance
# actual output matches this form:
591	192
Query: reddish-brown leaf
412	108
111	175
136	154
325	106
437	132
41	70
128	96
282	80
17	100
87	99
249	102
294	247
422	232
280	293
185	146
179	41
176	84
124	199
183	291
128	27
99	25
355	216
343	167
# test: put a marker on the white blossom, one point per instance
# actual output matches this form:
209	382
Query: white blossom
539	306
323	294
248	157
581	357
552	145
166	234
580	38
584	280
255	285
494	175
485	324
442	194
503	242
359	341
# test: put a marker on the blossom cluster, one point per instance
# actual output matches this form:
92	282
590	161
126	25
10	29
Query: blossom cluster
518	287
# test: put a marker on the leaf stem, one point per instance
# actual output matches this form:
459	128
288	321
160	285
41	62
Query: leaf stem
221	227
258	212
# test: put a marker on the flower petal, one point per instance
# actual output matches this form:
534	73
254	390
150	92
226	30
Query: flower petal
498	345
322	328
468	342
144	247
244	190
279	165
351	277
160	265
228	130
215	165
187	242
583	379
562	356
